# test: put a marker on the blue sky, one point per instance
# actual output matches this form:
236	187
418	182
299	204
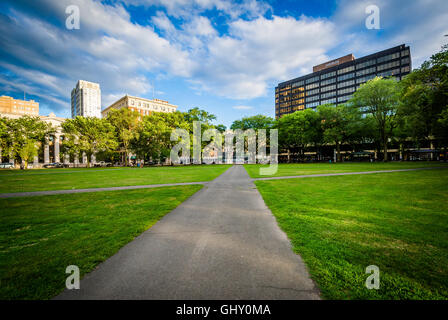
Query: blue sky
222	56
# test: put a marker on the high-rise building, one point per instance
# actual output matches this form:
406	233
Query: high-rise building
335	81
141	105
86	99
9	105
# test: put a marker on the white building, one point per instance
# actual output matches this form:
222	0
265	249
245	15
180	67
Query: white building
86	99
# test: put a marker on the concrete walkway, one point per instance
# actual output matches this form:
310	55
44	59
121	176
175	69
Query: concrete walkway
222	243
345	173
66	191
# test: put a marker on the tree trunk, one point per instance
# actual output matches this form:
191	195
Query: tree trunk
26	164
385	149
338	152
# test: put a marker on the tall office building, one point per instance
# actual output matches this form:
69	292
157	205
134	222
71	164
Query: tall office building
9	105
86	99
335	81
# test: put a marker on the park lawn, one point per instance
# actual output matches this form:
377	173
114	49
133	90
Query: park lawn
41	236
342	224
296	169
58	179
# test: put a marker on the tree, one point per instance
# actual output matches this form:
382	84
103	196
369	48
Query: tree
339	124
24	135
88	135
380	98
424	96
255	122
299	129
154	137
127	124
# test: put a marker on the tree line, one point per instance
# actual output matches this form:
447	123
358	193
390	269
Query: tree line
113	138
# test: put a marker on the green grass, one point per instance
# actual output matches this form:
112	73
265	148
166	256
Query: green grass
58	179
41	236
342	224
297	169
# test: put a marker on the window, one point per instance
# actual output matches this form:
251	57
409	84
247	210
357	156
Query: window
312	105
346	90
309	93
405	69
389	57
346	69
346	76
312	86
328	88
328	94
388	65
365	79
365	64
313	98
345	98
328	75
346	83
365	71
313	79
297	84
328	101
389	73
324	83
405	60
405	53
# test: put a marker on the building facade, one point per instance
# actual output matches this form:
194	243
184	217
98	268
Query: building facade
335	81
10	105
141	105
86	99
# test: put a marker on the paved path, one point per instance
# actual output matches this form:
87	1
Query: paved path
222	243
52	192
345	173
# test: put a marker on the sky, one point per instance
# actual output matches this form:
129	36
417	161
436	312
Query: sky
225	57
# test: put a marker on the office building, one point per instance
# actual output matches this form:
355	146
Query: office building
141	105
335	81
10	105
86	99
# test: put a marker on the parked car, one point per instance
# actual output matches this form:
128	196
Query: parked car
55	165
6	165
103	164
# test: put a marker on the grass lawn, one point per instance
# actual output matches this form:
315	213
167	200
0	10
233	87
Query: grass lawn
342	224
40	237
296	169
57	179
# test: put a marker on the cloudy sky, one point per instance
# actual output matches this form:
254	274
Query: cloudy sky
222	56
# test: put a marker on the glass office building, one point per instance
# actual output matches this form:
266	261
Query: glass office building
335	81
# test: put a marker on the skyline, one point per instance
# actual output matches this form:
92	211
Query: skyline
224	57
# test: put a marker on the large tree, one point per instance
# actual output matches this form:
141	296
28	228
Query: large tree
380	98
88	135
424	97
22	137
127	125
299	129
340	124
255	122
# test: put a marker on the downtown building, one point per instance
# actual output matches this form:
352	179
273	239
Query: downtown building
335	81
141	105
86	99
